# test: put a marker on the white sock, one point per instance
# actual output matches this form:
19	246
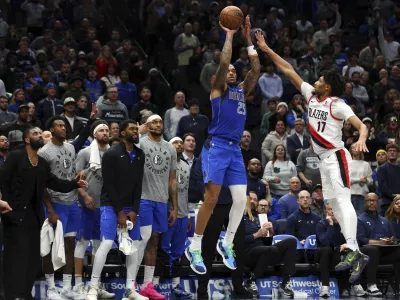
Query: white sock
148	274
50	281
145	232
236	213
78	279
175	281
67	281
156	280
347	219
196	242
99	261
131	267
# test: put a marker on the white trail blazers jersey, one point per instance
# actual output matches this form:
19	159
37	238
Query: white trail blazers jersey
325	119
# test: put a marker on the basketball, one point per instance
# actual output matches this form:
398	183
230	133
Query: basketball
231	17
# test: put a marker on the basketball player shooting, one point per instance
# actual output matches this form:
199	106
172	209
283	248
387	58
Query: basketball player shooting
222	160
326	114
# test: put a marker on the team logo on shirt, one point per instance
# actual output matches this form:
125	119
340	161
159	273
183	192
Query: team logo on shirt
157	160
64	163
180	179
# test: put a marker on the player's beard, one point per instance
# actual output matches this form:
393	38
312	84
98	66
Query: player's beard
132	138
36	144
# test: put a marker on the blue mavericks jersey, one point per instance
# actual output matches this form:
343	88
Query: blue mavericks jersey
228	115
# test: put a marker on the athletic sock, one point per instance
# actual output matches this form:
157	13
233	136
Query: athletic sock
148	275
67	281
78	279
156	280
196	243
175	281
50	281
130	283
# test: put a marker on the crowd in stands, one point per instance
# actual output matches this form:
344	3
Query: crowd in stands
132	59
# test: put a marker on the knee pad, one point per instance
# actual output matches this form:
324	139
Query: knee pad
80	248
145	232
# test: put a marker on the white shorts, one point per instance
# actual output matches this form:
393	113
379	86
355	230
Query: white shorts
335	175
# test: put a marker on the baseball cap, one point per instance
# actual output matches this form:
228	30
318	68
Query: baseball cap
317	186
193	101
69	100
23	106
393	119
82	54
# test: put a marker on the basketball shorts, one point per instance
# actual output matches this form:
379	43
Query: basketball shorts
335	175
90	224
222	163
70	216
173	241
109	224
155	214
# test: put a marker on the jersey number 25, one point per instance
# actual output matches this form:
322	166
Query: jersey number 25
241	110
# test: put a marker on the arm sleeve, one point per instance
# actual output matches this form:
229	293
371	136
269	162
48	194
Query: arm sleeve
108	166
307	90
341	110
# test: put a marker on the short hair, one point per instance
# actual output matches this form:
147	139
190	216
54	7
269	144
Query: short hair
188	134
124	124
392	146
95	124
50	122
27	133
299	120
111	87
336	81
114	139
91	68
355	73
3	97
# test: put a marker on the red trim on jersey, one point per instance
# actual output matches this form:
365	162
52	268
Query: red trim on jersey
322	100
320	139
310	98
344	170
330	110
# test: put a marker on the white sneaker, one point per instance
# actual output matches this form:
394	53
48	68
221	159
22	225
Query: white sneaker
80	289
131	294
70	294
373	290
52	294
103	293
357	290
92	293
324	291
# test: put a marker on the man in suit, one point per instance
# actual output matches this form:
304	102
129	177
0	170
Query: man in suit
297	141
23	178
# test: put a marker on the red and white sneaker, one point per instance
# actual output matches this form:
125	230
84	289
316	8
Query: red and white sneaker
150	292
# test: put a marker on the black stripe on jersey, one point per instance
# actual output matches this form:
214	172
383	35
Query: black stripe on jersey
342	169
318	142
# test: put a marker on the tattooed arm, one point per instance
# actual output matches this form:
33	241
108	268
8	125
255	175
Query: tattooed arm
252	77
218	86
173	195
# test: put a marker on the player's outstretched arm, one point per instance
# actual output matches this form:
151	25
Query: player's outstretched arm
226	55
280	63
252	76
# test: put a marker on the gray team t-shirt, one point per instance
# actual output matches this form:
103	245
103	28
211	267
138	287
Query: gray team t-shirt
94	178
308	163
182	181
62	164
160	159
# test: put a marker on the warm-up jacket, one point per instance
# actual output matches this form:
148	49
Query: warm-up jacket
122	179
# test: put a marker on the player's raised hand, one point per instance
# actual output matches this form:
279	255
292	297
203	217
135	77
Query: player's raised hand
361	146
227	30
246	30
261	41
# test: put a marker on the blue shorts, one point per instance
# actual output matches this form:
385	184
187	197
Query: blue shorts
109	223
90	224
222	163
70	216
173	241
154	214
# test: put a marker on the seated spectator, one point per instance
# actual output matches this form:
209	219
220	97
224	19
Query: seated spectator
296	111
288	203
361	178
143	104
5	115
302	223
18	98
14	131
247	152
318	206
308	168
298	141
254	183
388	177
49	106
73	125
374	230
278	172
111	109
273	139
271	107
260	253
393	215
111	76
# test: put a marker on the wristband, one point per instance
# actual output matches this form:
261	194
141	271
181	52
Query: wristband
251	51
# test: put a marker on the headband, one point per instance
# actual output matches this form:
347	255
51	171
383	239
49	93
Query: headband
153	117
173	140
98	127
